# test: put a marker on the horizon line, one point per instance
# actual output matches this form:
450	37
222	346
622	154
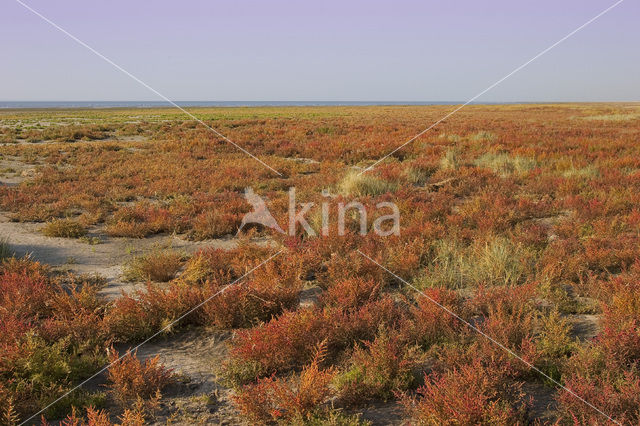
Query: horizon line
25	104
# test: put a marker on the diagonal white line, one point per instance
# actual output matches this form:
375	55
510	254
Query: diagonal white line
100	55
493	85
166	327
492	340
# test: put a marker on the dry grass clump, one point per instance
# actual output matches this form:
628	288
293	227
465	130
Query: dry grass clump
612	117
497	261
355	184
589	171
418	174
5	249
450	137
505	164
65	228
484	136
159	266
450	160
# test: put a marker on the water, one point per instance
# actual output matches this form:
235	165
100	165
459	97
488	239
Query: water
161	104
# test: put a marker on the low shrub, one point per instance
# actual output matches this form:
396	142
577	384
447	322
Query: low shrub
145	312
134	416
619	337
215	224
290	400
64	228
267	292
129	379
289	340
350	266
429	324
554	344
278	345
613	393
468	395
554	336
159	266
42	371
143	219
350	293
381	368
222	266
51	337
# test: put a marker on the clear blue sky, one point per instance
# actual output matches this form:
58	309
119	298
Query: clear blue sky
324	50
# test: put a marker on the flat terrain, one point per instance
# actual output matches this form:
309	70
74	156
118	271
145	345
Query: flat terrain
509	295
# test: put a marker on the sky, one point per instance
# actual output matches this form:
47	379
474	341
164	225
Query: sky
277	50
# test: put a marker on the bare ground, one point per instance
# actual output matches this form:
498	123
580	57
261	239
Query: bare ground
198	398
13	171
106	259
584	326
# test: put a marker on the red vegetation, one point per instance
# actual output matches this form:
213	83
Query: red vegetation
130	379
528	232
468	395
273	399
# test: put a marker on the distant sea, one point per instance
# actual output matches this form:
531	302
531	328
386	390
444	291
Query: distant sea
160	104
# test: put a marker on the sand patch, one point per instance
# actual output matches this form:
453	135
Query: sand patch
106	259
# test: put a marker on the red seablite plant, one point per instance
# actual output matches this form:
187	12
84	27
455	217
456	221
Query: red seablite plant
620	336
51	335
25	290
467	395
350	293
617	395
606	373
290	339
267	292
429	324
379	369
273	399
130	379
94	417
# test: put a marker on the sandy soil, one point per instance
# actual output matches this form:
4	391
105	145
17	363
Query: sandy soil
106	259
13	171
380	414
544	403
584	326
197	398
